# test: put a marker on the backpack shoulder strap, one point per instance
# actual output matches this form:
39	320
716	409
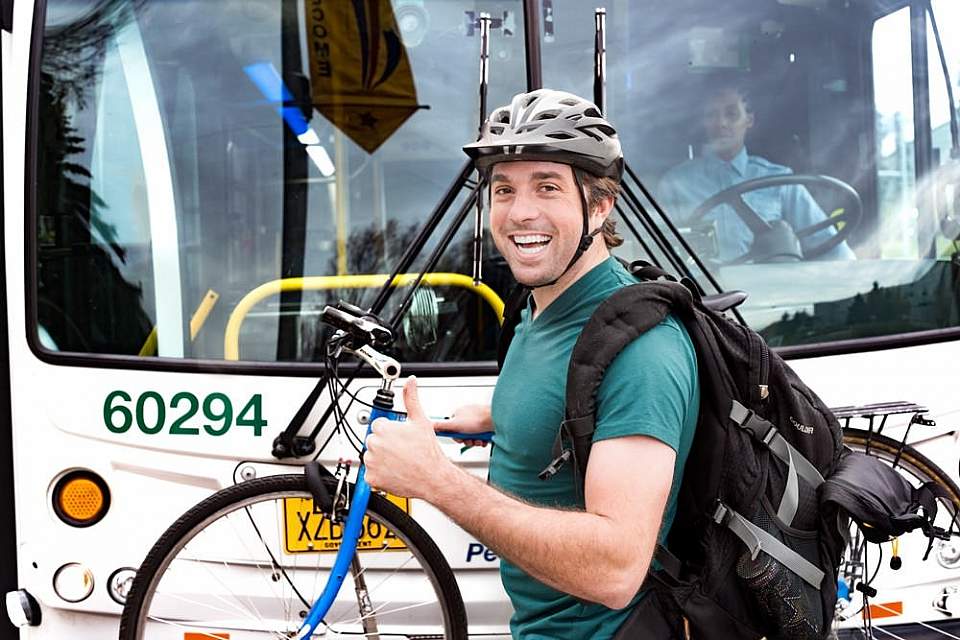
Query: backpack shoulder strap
617	322
643	270
516	301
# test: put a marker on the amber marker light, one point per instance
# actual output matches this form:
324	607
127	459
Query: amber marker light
81	498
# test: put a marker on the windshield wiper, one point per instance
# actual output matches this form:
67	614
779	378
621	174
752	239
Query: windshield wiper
954	127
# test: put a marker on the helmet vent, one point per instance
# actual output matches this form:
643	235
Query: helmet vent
553	125
547	115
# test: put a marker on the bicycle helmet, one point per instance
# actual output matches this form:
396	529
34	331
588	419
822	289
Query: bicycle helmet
552	126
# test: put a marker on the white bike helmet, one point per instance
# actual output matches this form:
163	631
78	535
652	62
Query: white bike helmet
553	126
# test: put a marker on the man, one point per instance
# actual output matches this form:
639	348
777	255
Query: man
727	117
571	567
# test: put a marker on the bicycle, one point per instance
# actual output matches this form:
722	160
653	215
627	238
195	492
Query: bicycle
229	568
884	585
266	586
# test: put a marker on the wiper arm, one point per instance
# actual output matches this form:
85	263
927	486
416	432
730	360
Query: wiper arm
954	127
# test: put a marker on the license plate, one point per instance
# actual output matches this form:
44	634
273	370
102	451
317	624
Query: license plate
308	530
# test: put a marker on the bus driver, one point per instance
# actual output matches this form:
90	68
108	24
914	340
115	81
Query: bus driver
726	119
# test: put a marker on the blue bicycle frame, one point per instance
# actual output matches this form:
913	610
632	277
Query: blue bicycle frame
348	545
352	528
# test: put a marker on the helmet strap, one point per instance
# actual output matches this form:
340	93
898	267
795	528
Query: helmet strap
586	236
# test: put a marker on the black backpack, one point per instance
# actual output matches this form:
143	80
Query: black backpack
752	550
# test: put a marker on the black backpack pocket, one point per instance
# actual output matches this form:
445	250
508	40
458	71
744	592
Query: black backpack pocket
784	569
786	600
655	616
679	610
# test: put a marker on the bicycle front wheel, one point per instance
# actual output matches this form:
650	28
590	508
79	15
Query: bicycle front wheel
248	562
906	590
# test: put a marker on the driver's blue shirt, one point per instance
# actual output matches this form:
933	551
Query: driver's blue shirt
687	185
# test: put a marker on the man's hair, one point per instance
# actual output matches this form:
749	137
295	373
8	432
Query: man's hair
598	188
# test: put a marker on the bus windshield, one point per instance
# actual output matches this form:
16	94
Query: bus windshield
718	102
205	184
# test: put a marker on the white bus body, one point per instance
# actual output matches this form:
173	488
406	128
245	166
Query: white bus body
173	183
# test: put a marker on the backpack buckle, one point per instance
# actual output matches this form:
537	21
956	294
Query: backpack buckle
748	419
721	513
769	435
555	465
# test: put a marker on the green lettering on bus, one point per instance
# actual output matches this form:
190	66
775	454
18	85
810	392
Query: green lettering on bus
217	408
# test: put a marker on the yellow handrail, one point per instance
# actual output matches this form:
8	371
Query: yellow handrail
231	339
210	298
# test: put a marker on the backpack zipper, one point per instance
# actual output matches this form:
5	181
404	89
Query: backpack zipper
763	389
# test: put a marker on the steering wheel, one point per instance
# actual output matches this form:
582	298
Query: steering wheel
763	229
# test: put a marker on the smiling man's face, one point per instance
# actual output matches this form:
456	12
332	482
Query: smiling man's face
535	218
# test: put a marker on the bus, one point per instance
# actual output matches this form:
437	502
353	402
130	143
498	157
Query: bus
186	184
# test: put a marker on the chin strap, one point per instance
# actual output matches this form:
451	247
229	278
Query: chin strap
586	238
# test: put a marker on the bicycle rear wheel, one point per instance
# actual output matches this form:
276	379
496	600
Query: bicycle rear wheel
248	562
905	595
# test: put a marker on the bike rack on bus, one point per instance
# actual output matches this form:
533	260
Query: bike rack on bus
637	200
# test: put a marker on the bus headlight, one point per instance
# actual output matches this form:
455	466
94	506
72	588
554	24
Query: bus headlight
73	582
118	586
81	498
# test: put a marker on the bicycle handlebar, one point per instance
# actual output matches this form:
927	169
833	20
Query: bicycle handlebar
484	436
357	324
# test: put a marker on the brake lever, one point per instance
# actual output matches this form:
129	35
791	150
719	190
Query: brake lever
337	343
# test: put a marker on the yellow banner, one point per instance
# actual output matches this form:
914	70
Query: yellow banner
360	74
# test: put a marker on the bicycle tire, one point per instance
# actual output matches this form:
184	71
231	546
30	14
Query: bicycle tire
145	615
893	585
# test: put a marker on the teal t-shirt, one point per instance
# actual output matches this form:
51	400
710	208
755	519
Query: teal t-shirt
650	389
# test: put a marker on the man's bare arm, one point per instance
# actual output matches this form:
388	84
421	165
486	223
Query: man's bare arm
600	554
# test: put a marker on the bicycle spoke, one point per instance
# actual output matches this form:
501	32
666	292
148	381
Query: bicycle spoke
218	568
237	607
273	559
191	629
888	633
205	605
941	632
250	554
277	519
383	581
388	612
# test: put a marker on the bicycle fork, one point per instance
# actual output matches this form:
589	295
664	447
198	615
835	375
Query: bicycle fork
346	555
